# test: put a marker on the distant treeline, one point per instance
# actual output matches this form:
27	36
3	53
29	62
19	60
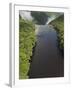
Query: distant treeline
39	17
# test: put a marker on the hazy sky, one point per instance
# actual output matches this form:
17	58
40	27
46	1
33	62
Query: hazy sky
25	15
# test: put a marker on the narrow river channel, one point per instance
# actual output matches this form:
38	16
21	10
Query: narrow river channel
47	60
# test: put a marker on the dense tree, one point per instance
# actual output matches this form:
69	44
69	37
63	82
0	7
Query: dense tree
40	17
27	40
59	25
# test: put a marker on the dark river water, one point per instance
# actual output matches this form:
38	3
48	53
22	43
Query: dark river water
47	60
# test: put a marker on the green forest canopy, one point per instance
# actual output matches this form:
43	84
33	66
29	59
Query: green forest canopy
39	17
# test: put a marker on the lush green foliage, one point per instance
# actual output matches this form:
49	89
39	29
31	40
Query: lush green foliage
59	25
27	40
40	17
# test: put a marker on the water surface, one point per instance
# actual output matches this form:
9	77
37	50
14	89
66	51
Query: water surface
47	60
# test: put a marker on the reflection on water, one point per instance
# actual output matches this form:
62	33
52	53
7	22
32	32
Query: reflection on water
47	60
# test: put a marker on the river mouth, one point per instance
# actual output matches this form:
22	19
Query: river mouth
47	60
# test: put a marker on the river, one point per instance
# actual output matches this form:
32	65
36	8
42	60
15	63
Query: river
47	60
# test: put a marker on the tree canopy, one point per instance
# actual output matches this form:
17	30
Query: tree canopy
39	17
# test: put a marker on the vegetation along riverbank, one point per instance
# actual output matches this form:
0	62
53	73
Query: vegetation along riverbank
27	41
58	24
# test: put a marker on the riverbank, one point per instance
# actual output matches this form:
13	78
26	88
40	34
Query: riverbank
27	41
58	24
